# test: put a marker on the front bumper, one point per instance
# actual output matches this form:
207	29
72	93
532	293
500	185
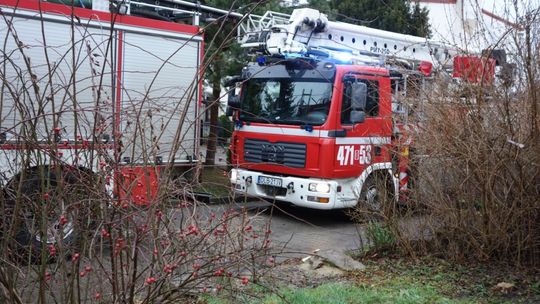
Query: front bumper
294	190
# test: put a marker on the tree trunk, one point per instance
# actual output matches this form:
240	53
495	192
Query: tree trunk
214	112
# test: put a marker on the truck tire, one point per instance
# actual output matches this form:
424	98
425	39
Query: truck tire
376	198
50	213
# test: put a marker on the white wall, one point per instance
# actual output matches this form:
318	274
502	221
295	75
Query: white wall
466	25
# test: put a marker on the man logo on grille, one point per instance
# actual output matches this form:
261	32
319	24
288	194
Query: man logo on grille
272	153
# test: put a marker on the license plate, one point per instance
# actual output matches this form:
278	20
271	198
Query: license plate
269	181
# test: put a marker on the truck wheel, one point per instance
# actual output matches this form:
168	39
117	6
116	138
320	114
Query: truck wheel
376	196
49	212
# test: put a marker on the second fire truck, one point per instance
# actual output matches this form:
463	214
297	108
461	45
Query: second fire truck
319	121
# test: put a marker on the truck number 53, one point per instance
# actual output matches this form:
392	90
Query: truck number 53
349	155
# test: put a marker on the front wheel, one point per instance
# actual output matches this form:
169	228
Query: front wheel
376	198
49	213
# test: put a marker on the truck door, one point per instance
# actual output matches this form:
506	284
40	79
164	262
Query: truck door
367	124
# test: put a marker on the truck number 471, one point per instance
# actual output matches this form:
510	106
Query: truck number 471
348	155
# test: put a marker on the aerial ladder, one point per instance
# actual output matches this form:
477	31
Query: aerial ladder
308	32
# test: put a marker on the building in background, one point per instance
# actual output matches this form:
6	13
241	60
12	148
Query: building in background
476	24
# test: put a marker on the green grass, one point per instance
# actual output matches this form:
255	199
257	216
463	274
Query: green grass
401	280
330	293
337	293
472	283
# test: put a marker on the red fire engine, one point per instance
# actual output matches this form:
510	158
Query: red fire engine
318	121
95	93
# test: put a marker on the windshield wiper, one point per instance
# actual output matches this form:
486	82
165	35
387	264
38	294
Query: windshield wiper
290	121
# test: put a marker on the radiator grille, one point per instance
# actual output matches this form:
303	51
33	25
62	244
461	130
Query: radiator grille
283	153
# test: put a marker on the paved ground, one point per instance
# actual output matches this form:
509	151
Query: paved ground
302	231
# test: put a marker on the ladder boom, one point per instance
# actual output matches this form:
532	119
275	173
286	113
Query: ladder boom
310	29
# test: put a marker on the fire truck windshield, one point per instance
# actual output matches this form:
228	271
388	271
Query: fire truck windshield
294	101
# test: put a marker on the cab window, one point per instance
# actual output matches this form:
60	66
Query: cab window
372	101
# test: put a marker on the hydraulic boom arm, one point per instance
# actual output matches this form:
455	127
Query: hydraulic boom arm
309	30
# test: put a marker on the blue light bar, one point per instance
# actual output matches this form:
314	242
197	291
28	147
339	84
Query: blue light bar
261	60
308	128
329	54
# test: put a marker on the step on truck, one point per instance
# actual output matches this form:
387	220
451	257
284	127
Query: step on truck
320	120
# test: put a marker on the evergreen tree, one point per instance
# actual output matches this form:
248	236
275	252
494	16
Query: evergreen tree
419	21
400	16
225	57
222	55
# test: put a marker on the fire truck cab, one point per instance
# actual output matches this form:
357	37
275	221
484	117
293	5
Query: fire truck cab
312	132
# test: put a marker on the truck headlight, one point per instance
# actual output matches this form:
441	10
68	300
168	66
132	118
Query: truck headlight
319	187
234	175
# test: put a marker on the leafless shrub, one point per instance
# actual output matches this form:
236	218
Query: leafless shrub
477	166
76	226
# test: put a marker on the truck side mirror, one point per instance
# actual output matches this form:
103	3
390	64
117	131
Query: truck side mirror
357	116
233	100
358	96
358	102
229	111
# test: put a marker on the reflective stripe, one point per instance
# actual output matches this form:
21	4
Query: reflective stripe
403	180
296	131
374	140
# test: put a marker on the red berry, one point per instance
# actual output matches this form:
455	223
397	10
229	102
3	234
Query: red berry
104	233
192	230
52	250
150	280
63	220
168	268
219	272
245	281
